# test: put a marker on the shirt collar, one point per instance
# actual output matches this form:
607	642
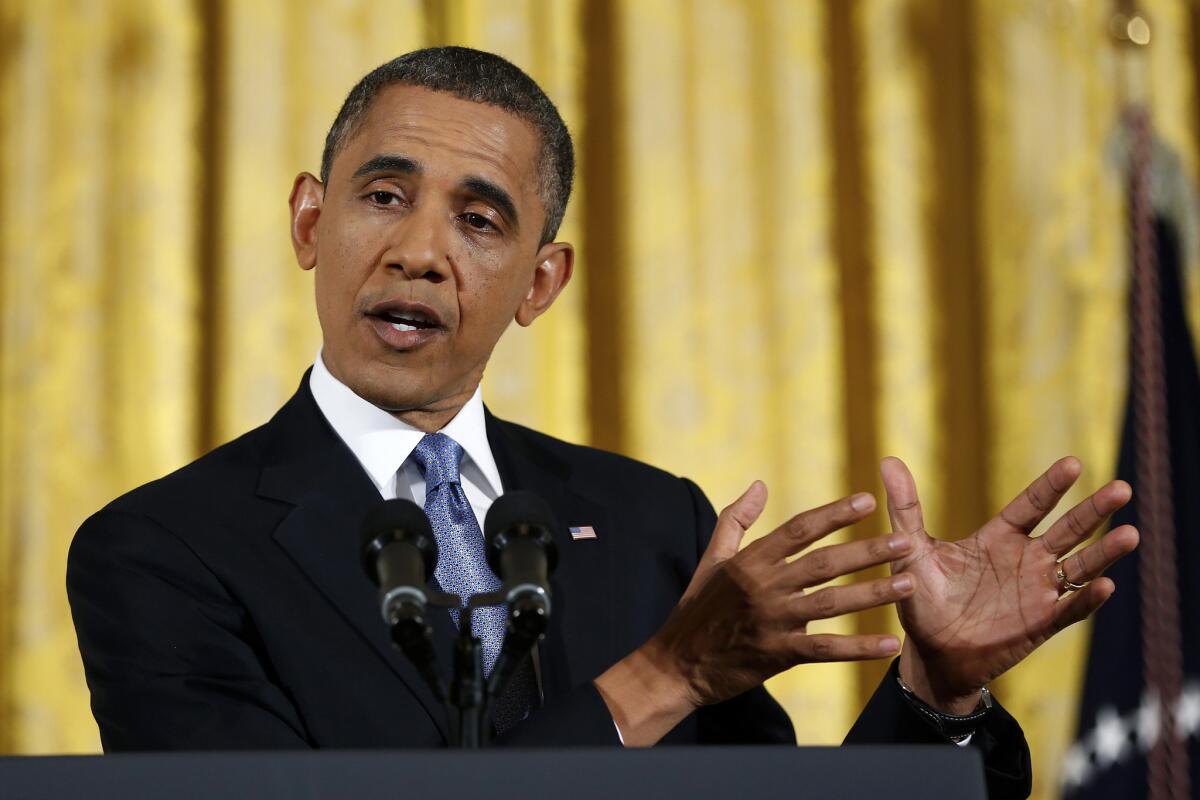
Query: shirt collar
382	443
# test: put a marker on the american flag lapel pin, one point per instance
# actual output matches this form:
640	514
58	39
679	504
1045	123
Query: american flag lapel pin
583	532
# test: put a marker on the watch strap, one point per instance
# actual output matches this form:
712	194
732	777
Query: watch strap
952	726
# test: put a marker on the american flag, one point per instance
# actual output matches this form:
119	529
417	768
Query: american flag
583	532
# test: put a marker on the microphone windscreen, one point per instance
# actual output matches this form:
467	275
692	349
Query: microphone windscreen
517	508
395	521
392	515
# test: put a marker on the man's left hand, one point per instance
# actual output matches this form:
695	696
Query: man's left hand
985	602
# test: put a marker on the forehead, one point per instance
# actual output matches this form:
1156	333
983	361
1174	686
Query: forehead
445	133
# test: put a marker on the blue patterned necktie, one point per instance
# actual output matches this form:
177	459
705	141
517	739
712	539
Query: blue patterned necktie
462	567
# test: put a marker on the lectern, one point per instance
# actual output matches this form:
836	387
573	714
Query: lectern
687	773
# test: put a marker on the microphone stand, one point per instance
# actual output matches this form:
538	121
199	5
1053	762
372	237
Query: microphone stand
470	691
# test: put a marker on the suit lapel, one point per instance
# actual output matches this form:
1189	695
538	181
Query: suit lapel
308	466
581	640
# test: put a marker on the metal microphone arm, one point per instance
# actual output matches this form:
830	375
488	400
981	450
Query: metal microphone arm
412	632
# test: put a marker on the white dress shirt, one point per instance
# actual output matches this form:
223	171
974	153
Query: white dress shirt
383	444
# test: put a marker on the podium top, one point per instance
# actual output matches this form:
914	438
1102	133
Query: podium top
694	773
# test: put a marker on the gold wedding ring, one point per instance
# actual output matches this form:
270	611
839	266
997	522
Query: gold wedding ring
1064	583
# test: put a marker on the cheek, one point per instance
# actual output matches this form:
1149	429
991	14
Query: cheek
490	290
343	264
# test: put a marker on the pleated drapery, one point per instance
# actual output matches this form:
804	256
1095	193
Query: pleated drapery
812	233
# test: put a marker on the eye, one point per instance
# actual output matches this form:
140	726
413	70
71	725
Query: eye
478	221
383	198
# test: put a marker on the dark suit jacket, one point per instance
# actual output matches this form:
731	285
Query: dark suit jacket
225	606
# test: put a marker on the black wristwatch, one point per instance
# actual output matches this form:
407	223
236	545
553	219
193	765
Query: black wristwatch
952	726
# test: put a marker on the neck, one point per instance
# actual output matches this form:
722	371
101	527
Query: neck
435	417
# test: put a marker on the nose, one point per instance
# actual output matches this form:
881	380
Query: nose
418	246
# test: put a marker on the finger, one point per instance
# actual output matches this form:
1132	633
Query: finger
834	601
1091	562
1081	521
733	522
1040	497
839	647
809	526
1078	606
842	559
904	507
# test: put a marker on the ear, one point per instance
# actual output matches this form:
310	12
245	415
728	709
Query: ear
555	263
305	201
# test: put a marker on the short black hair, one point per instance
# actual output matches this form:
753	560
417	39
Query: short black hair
481	78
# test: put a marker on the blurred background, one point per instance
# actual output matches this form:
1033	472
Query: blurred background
812	233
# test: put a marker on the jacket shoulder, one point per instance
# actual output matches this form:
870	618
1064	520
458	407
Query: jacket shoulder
615	480
592	462
229	472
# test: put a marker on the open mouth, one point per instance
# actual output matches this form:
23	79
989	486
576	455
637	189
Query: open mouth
405	325
410	320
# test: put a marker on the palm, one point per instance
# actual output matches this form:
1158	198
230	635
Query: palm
985	602
989	599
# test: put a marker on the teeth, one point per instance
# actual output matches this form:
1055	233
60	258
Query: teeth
400	326
406	318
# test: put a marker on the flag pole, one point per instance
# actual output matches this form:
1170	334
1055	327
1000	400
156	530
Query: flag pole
1167	769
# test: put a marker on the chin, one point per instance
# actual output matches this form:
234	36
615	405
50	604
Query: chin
397	390
420	381
392	390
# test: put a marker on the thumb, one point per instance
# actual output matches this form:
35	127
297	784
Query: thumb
735	519
732	523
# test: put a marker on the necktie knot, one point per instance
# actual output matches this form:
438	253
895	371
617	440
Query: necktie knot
438	457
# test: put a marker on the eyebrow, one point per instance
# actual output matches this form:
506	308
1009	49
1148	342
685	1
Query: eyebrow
495	195
388	163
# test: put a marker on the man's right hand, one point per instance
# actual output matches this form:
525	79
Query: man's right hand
744	616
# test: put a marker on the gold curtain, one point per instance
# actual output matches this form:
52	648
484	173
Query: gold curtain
811	233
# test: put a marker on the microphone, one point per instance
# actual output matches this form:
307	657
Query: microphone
399	553
521	551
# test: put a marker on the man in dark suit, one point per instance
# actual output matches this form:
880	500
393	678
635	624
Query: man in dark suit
224	605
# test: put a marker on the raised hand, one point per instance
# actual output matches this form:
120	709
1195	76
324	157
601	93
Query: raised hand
744	616
984	602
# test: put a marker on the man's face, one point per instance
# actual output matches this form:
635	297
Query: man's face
426	244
